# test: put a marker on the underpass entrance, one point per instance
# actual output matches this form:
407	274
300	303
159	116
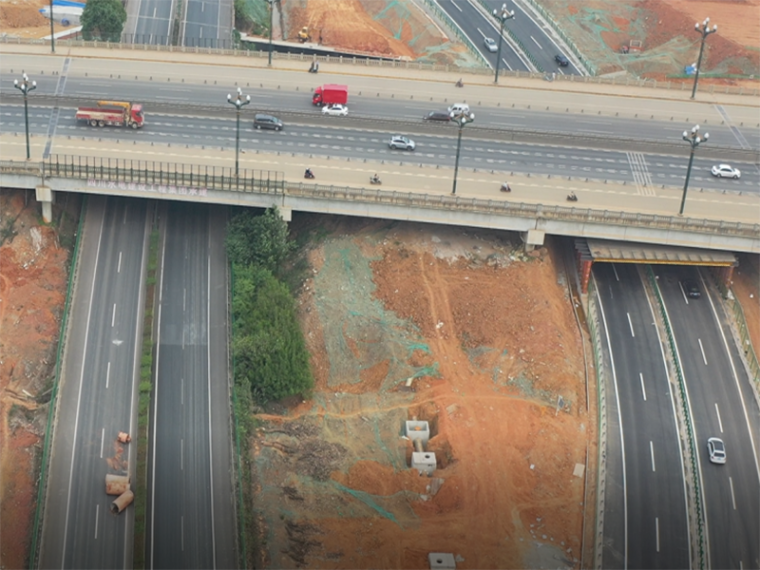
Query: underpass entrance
590	251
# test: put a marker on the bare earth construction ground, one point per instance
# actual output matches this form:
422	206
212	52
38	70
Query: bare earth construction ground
486	340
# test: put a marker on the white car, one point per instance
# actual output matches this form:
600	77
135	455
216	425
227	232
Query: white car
490	44
401	142
459	108
717	450
335	110
726	171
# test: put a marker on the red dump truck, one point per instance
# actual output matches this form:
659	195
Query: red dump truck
112	113
330	95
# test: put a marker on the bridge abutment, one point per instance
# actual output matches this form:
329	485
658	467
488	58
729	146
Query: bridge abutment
45	197
533	238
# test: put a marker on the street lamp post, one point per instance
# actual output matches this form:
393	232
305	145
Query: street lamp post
52	29
705	31
461	119
271	13
239	103
25	87
502	15
694	140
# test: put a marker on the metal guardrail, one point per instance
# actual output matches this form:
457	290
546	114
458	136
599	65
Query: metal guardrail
626	80
180	178
690	434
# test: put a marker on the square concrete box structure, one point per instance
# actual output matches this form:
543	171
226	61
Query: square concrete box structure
424	462
441	561
418	431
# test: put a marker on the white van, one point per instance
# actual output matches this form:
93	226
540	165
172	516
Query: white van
459	108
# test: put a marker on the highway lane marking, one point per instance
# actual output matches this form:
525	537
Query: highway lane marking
651	452
614	270
113	315
181	454
630	324
118	268
717	412
108	374
182	391
97	517
643	388
733	496
184	300
702	348
102	440
657	531
457	7
182	531
536	42
507	64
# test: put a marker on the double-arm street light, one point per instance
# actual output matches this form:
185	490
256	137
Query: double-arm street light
239	103
502	15
25	87
271	13
694	140
705	31
461	118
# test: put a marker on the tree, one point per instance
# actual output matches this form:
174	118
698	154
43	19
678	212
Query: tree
259	240
103	20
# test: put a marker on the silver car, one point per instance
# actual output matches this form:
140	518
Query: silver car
726	171
401	142
490	44
717	450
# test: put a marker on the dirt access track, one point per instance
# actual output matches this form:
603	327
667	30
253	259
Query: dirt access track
450	326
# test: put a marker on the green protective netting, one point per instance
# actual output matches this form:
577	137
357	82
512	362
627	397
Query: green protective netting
359	333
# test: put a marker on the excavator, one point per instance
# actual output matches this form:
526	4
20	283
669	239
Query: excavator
304	35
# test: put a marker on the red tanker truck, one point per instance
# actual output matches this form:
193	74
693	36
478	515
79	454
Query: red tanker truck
112	113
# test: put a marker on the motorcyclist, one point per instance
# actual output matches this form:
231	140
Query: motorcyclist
505	187
572	197
308	173
459	83
375	178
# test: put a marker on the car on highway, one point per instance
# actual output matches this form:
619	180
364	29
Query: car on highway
490	44
335	110
400	142
437	116
261	121
726	171
717	450
458	108
561	60
691	288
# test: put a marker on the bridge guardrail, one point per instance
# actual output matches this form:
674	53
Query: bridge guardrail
174	177
691	452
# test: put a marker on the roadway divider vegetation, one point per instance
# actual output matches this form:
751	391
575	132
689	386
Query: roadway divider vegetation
269	356
144	399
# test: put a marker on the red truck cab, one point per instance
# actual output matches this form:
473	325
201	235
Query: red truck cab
330	95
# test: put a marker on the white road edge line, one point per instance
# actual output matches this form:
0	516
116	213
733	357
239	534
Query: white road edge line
113	316
622	440
97	517
102	440
79	397
630	325
208	377
717	413
118	269
657	531
651	452
108	374
733	496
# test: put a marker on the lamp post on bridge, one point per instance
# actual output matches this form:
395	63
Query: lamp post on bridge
694	140
705	31
502	15
462	118
239	103
271	14
25	87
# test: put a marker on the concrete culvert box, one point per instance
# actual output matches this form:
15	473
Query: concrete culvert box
424	462
122	502
117	484
418	430
441	561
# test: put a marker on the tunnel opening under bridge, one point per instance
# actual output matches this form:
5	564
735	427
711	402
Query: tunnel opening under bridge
590	251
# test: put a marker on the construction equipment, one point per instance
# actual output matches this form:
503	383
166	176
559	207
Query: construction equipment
633	46
304	35
112	113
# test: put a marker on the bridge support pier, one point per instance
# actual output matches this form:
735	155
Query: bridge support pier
45	196
533	238
285	213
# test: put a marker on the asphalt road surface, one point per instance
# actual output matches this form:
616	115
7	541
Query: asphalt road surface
153	23
646	525
192	516
330	139
98	393
207	23
721	404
